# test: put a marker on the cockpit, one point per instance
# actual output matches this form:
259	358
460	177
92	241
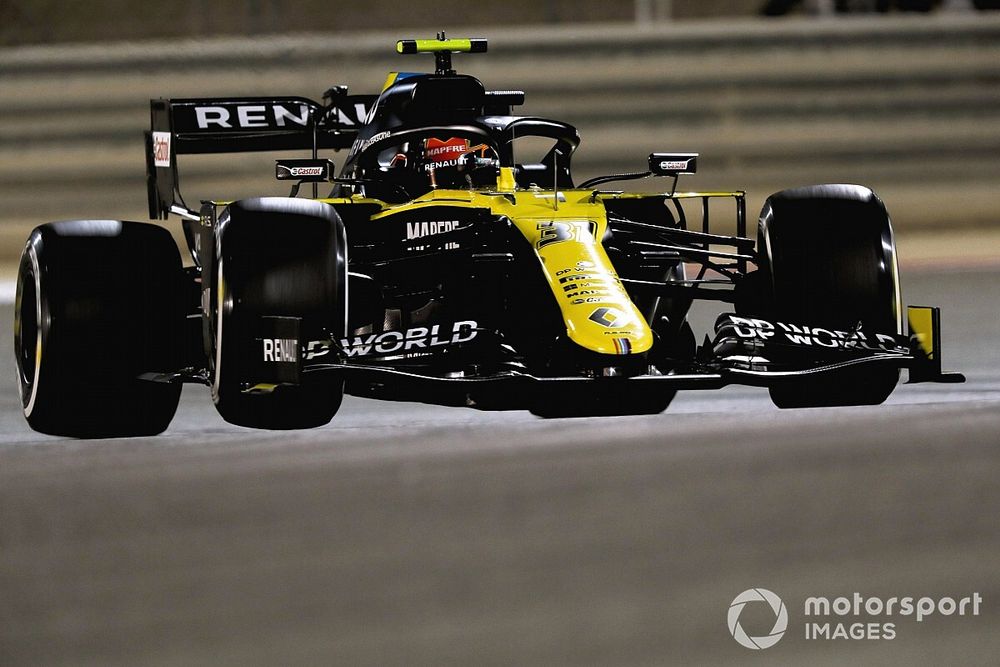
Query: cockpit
431	131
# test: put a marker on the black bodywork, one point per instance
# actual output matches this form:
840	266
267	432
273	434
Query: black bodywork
479	268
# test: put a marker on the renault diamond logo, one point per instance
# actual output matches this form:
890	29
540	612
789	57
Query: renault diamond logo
609	317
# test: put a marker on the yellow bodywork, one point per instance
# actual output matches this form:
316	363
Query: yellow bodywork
566	236
922	328
461	45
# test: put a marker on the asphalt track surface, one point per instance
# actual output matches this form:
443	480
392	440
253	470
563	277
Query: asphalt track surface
410	534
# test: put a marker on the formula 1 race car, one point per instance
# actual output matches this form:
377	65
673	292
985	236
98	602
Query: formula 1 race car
447	267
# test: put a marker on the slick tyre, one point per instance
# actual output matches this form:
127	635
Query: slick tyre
827	258
275	257
98	304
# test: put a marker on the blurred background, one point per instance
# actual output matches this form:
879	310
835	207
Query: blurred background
901	95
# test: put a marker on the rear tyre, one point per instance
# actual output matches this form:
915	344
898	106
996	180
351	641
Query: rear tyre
98	304
828	259
275	257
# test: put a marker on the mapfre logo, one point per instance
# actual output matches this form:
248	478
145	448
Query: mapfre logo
780	618
416	230
443	153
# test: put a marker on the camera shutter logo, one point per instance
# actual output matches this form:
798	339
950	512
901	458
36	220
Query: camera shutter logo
780	621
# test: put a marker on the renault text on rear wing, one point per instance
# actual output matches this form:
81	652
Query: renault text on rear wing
246	124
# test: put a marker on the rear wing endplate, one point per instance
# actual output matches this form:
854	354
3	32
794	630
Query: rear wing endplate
246	124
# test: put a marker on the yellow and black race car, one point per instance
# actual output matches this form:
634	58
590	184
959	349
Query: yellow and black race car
449	265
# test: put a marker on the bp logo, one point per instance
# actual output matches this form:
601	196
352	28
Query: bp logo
780	618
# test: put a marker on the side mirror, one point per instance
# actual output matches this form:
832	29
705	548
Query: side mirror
307	171
672	164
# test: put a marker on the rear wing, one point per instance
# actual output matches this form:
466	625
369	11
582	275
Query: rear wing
245	124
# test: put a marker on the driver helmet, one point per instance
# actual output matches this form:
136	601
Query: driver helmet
446	163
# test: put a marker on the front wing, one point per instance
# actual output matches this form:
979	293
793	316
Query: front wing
745	351
721	363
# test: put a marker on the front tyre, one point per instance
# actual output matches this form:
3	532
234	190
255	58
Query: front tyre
827	259
275	257
97	305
